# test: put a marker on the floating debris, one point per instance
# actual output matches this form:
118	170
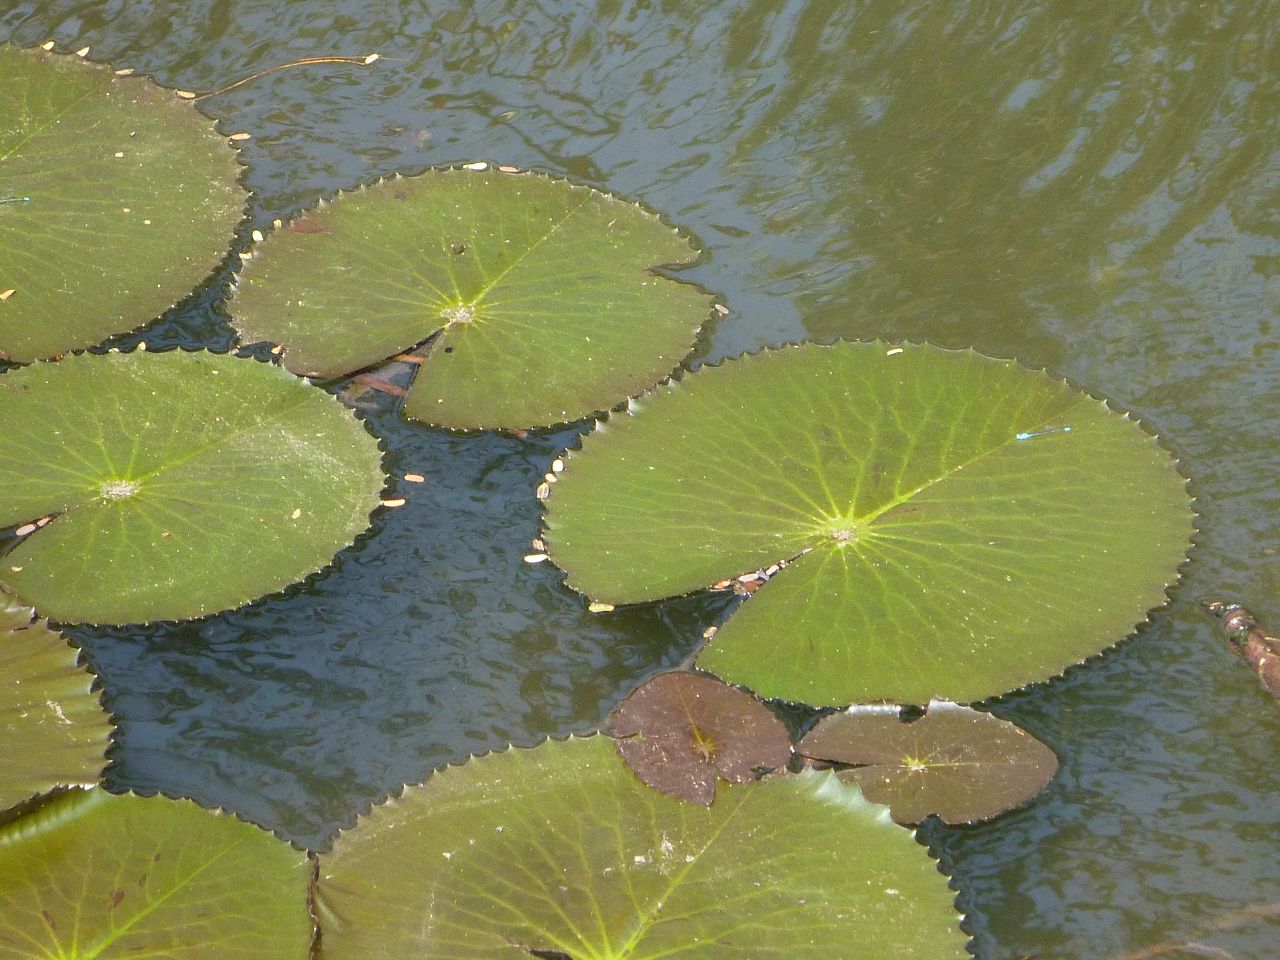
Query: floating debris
393	502
535	557
1247	638
415	478
597	607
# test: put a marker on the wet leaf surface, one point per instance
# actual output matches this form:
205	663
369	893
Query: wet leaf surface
541	292
559	851
680	731
94	875
958	763
53	730
116	199
180	484
939	510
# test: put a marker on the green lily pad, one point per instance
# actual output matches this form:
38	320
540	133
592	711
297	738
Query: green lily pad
560	852
959	763
540	292
682	731
53	731
181	484
955	526
92	876
116	199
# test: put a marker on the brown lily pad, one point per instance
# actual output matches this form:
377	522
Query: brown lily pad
959	763
681	731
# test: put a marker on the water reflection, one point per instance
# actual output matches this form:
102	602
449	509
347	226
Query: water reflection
1088	186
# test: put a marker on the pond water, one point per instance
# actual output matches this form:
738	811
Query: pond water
1089	186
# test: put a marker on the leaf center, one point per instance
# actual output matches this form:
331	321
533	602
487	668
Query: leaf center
118	489
459	313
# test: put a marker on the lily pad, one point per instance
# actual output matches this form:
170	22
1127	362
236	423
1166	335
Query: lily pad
53	731
116	199
956	526
92	875
559	852
680	731
961	764
180	484
540	294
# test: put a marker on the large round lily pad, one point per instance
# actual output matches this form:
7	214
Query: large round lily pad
541	293
956	526
959	763
559	852
116	199
180	484
53	731
92	876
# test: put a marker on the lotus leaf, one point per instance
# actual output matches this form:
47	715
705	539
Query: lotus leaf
540	295
681	731
180	484
954	526
961	764
53	731
92	876
560	852
116	199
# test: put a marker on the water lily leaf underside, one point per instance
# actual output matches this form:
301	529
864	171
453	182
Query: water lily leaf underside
957	526
681	732
92	875
542	293
959	763
559	851
116	199
180	484
53	730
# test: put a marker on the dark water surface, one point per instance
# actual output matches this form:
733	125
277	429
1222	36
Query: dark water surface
1092	187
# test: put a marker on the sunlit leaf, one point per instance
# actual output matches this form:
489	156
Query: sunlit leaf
961	764
561	852
92	876
116	199
542	294
180	484
53	731
681	731
956	526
